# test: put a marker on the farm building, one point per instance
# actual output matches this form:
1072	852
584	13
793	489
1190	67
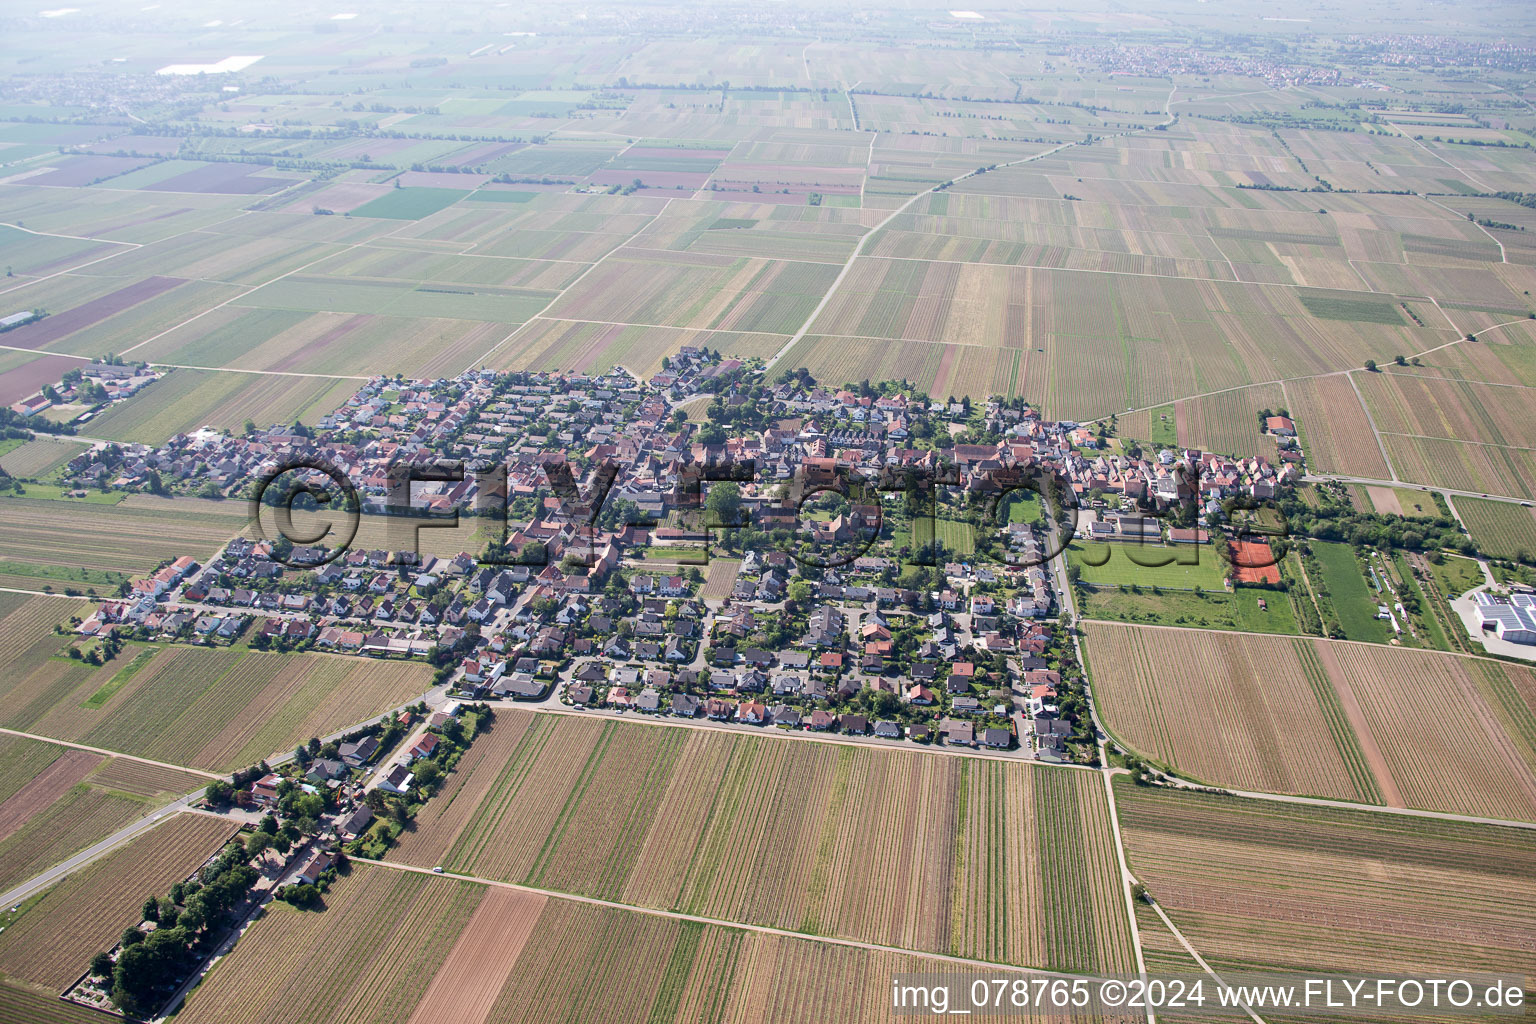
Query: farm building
1280	426
1512	618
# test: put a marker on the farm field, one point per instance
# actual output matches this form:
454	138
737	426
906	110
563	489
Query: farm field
958	538
720	577
1333	428
698	291
24	1005
678	819
1324	718
52	943
335	343
1139	226
55	800
187	400
1228	422
1164	692
40	457
526	957
587	347
1501	529
1416	406
132	536
212	709
1398	501
1085	345
410	203
1484	469
1385	894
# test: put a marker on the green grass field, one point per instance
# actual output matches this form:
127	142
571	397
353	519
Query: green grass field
1023	507
1109	564
53	492
410	203
1354	602
1164	432
958	538
1238	610
1327	305
1456	576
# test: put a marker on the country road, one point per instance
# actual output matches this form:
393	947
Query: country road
59	871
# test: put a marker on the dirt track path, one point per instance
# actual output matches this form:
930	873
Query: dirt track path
1357	722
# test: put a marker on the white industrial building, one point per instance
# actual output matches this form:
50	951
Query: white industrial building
1513	618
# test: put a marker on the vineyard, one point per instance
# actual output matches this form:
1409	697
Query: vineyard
1472	755
21	761
768	831
364	957
1441	462
1501	529
20	1005
523	958
116	538
466	986
71	799
698	290
1382	894
146	780
1402	403
1228	422
214	709
1333	427
589	347
1323	718
52	942
39	457
1167	692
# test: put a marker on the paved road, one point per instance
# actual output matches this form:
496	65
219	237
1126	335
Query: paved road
99	849
1371	481
552	705
95	851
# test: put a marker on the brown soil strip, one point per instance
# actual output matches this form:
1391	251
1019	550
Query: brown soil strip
324	341
465	988
1498	740
1385	499
41	333
1357	722
39	794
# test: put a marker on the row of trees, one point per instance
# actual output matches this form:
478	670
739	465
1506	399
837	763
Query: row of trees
188	923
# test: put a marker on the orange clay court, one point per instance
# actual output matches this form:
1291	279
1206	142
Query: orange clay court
1252	562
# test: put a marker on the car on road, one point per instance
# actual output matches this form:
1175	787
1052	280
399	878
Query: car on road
437	870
